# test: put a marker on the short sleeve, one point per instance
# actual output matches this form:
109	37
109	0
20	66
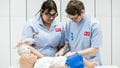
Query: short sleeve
96	36
27	31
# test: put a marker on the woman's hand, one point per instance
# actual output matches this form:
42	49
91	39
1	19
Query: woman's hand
18	43
60	53
63	51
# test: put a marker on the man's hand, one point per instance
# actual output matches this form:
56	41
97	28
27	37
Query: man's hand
69	53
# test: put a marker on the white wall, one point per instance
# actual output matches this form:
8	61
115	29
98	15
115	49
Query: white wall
116	32
103	14
4	34
14	13
17	21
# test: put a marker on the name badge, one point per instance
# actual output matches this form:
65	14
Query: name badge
86	33
57	29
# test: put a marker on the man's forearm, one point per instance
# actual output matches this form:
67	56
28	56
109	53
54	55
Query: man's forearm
88	52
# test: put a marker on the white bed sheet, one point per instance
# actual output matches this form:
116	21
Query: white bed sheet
108	66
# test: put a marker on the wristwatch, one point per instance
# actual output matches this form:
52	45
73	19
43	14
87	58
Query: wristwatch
77	52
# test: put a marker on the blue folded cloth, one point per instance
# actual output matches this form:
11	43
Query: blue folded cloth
75	61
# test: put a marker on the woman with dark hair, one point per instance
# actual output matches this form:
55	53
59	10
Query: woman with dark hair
46	31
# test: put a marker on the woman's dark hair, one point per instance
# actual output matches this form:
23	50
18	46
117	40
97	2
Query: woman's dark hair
48	5
75	7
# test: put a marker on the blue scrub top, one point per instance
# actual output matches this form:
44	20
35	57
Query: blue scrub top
86	34
46	40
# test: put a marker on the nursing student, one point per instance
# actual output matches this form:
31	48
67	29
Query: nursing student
46	31
83	33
